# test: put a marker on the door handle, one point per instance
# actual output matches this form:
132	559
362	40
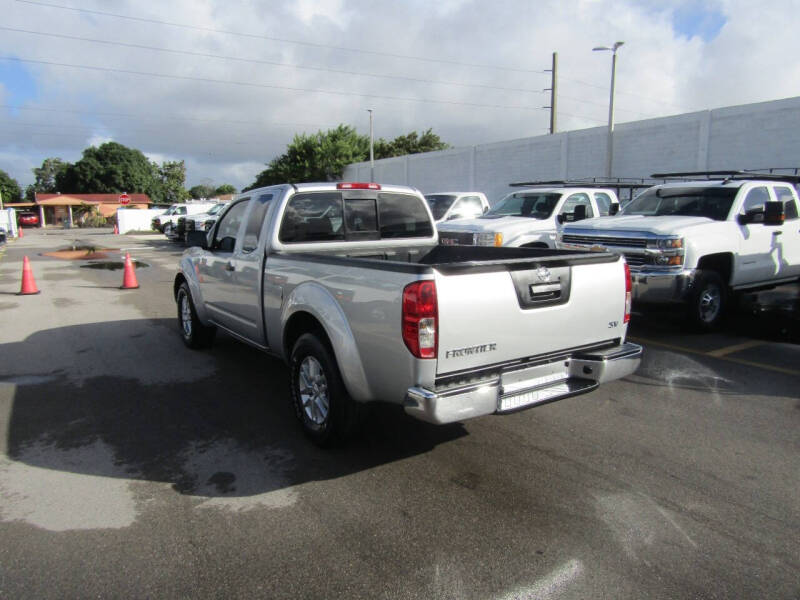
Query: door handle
230	267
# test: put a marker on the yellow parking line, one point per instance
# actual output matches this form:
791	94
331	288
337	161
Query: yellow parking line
735	348
732	359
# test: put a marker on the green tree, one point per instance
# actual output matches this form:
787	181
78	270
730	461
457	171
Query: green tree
110	168
45	176
172	177
411	143
9	188
203	190
224	190
324	155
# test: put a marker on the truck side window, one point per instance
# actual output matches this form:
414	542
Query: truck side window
228	227
575	200
603	203
312	217
181	210
253	230
784	194
403	216
756	200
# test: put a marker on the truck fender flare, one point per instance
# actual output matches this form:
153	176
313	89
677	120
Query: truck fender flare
316	300
190	276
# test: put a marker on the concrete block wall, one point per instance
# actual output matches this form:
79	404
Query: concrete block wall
750	136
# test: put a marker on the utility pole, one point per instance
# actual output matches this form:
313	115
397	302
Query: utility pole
371	152
553	89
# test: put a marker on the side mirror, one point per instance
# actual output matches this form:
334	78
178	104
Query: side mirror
197	238
485	209
613	209
774	214
560	218
580	212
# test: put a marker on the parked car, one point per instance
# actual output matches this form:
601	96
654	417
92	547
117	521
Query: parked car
446	206
347	283
697	241
28	219
530	217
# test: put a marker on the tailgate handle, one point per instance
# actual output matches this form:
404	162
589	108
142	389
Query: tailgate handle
542	286
545	289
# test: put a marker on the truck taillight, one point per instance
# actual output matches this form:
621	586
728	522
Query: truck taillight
420	314
628	288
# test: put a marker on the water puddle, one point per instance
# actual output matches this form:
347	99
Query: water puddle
81	251
114	265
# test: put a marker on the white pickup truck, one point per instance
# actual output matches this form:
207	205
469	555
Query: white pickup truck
347	283
447	206
530	217
168	220
695	241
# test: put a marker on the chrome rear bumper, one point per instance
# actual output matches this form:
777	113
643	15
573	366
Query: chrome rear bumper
525	388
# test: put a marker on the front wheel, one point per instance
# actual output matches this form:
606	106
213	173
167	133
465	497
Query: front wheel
321	403
193	333
708	301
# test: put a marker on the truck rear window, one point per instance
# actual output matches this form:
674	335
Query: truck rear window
327	216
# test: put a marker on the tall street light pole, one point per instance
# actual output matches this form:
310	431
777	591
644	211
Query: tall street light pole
371	152
610	144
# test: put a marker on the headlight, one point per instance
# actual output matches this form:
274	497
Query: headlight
488	239
666	243
666	252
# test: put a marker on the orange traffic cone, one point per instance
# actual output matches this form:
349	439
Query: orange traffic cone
28	283
116	230
19	232
129	278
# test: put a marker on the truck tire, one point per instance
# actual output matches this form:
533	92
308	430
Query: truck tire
321	403
707	301
193	333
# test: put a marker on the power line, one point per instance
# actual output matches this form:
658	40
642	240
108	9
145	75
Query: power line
264	62
263	85
163	118
618	91
635	112
276	39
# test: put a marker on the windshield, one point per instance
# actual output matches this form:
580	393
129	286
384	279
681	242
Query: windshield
439	204
710	202
215	209
533	205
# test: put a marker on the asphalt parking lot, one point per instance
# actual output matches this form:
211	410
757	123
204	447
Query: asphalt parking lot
133	467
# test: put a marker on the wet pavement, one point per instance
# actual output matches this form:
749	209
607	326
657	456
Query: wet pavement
133	467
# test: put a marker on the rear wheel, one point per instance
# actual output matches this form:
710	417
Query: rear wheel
322	405
193	333
708	301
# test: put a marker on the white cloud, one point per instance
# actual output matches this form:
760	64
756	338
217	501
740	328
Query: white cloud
226	132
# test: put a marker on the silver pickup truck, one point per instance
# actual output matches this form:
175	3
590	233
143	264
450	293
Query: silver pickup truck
347	283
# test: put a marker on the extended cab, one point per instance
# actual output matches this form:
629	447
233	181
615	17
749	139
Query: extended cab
530	218
694	242
347	283
446	206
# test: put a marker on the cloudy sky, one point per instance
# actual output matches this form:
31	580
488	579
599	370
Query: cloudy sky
225	85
